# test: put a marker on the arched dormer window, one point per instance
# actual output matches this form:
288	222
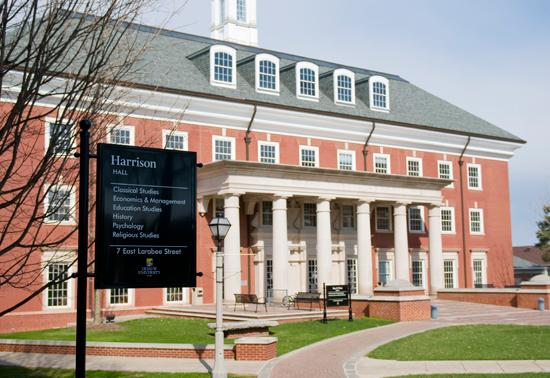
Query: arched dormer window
222	66
241	10
344	87
379	93
307	81
267	74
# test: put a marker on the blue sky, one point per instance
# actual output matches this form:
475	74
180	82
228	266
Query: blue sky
488	57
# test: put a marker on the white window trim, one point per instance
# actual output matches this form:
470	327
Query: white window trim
482	227
223	138
351	75
422	223
390	265
49	121
183	134
376	220
274	60
452	210
480	256
454	257
184	300
450	164
478	166
131	297
274	144
423	271
313	148
315	69
354	216
112	128
228	50
72	198
59	257
383	80
261	211
374	156
419	160
350	152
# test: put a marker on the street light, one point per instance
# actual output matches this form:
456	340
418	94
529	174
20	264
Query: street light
219	227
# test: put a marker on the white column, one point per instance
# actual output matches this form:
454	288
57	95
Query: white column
436	249
364	248
324	244
401	243
232	249
280	244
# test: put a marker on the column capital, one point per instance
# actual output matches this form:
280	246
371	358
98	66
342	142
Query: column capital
401	203
231	193
364	200
435	205
281	195
324	199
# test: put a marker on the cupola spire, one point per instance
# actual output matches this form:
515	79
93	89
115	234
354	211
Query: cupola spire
234	21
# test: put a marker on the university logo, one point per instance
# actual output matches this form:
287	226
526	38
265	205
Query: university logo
149	262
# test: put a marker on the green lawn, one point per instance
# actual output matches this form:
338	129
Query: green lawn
514	375
470	342
20	372
192	331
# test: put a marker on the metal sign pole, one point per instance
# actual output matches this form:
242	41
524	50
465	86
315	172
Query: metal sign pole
82	249
349	299
324	303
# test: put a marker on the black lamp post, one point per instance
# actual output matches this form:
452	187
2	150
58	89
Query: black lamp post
219	227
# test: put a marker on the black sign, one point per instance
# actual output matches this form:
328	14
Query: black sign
146	218
337	295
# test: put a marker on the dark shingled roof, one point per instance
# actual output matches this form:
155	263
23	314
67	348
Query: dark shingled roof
175	65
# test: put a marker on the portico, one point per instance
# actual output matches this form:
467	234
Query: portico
308	223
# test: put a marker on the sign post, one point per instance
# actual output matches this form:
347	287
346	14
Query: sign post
146	218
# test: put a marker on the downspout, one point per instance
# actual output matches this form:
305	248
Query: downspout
461	163
247	140
365	151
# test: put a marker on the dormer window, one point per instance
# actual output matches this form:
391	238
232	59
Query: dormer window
241	10
222	66
379	94
344	87
307	77
267	74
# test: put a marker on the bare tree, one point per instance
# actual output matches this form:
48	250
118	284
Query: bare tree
60	61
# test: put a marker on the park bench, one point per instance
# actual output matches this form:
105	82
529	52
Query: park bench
249	298
235	330
307	298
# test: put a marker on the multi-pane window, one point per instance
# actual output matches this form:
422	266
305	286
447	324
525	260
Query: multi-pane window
383	219
447	220
352	275
345	160
222	11
344	88
219	206
308	157
478	273
269	277
418	273
58	294
119	296
310	215
416	221
414	167
223	149
379	95
307	82
241	10
476	221
449	273
445	170
312	275
267	213
60	137
381	163
223	67
122	135
268	75
474	176
59	204
348	216
268	152
174	294
175	140
384	271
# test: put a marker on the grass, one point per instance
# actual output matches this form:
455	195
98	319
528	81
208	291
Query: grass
514	375
21	372
470	342
192	331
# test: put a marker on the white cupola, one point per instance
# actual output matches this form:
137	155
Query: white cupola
234	21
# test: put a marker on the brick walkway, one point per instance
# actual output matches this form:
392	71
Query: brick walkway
343	355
